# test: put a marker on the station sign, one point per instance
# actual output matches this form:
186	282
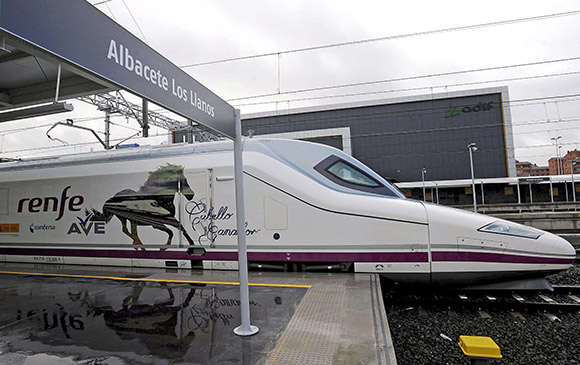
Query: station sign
533	180
80	35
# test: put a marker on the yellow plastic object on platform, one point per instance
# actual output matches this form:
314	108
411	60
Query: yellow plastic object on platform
479	346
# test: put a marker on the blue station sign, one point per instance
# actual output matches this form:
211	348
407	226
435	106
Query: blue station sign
77	33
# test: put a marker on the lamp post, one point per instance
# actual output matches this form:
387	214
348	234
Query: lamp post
560	160
555	139
423	172
572	165
472	148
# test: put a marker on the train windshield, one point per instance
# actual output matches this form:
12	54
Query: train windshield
351	174
348	175
328	166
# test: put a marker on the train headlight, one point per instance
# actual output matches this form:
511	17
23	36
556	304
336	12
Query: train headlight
511	229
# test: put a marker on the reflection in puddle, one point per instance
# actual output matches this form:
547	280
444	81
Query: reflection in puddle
142	321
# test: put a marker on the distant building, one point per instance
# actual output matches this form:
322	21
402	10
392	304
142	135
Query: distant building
526	168
555	165
399	137
571	156
565	163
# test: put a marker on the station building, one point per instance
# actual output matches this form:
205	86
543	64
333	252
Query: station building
398	138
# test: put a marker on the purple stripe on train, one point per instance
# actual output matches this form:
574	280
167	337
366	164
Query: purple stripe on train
227	256
448	256
499	258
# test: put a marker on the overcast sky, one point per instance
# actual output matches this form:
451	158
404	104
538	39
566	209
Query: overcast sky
190	32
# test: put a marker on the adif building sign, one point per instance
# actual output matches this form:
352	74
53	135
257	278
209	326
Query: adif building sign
455	110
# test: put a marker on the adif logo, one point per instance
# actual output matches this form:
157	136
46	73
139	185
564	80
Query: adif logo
86	226
454	111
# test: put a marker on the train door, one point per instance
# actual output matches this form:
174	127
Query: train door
195	202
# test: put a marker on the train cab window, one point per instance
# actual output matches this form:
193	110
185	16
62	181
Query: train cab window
346	174
351	174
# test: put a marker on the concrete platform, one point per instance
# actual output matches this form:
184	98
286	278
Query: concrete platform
78	315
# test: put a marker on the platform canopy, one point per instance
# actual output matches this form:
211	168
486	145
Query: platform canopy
94	55
29	77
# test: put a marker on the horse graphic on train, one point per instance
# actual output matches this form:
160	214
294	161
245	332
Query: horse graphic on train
151	205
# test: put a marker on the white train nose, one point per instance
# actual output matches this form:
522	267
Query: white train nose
562	251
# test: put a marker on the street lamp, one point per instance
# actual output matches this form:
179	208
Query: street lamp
560	160
555	139
472	148
572	165
423	172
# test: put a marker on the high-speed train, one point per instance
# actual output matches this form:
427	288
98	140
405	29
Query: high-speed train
306	204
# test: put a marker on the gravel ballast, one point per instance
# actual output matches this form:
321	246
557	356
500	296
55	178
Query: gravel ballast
430	335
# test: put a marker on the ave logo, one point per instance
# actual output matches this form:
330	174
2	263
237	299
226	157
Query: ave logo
85	226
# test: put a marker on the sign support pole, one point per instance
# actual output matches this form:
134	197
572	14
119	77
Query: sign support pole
245	329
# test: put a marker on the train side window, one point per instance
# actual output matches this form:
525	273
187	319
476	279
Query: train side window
346	174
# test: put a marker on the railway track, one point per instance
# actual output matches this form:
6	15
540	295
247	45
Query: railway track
563	299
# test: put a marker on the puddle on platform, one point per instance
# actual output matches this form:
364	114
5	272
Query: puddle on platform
111	322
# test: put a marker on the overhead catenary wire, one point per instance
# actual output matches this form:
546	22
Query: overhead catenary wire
101	2
545	131
366	93
278	123
130	14
515	125
76	120
526	123
276	119
512	103
168	134
400	36
42	150
110	11
409	78
135	21
523	102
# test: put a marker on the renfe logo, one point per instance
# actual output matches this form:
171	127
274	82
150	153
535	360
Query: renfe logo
52	204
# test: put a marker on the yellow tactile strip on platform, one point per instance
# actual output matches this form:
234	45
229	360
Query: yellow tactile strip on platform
311	334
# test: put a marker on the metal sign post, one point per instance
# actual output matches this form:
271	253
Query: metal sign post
472	148
245	329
